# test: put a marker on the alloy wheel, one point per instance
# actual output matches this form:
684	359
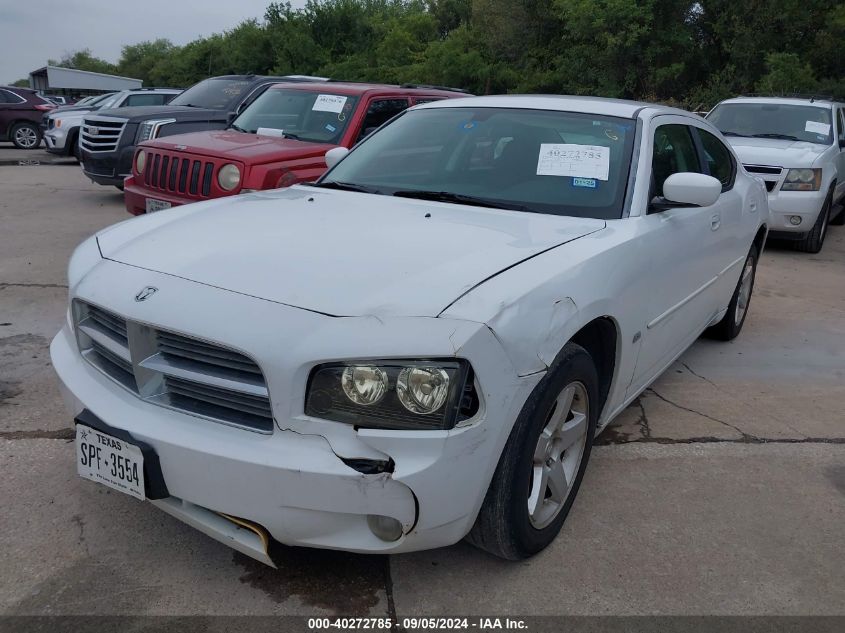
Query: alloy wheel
558	454
26	137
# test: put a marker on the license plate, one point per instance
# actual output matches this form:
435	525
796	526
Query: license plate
110	461
156	205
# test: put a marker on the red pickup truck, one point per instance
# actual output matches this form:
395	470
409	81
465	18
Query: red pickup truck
279	140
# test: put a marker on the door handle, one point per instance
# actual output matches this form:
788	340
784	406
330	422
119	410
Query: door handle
752	207
715	222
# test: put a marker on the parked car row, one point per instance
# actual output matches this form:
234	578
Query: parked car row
418	345
61	127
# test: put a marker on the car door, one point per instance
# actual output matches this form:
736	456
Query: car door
11	106
730	245
379	111
680	246
840	157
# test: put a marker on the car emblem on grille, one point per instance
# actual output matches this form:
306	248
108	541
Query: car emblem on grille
180	147
146	293
93	131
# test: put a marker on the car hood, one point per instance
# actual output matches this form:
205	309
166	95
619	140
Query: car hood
251	148
339	253
771	151
137	114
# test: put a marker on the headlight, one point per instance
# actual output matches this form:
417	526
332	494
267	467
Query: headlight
229	177
140	161
150	129
802	180
393	394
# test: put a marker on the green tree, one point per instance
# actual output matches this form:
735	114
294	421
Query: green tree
786	73
84	60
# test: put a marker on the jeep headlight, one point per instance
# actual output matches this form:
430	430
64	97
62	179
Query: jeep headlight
802	180
140	161
229	177
393	394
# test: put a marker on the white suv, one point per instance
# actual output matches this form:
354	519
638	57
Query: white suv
61	128
797	147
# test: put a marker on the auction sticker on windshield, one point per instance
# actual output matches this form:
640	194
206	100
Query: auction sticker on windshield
329	103
817	128
110	461
576	161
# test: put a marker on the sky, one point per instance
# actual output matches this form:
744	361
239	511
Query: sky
33	31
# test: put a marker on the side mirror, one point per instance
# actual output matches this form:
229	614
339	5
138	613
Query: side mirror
335	155
688	188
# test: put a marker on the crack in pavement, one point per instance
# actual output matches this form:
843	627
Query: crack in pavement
30	285
745	436
645	428
42	434
748	439
697	375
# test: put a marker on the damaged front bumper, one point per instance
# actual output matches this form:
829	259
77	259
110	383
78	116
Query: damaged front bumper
311	482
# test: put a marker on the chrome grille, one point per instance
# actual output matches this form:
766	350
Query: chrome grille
101	134
174	370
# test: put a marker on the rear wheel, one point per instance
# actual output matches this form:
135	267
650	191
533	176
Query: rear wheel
25	135
543	462
729	327
813	241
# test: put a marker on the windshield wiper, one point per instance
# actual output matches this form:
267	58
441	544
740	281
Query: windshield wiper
295	137
785	137
343	186
458	198
238	128
730	133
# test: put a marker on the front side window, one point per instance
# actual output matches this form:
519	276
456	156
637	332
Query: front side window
719	161
674	152
317	117
215	94
380	111
808	123
541	161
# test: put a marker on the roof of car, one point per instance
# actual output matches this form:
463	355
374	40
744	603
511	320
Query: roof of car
783	100
355	88
565	103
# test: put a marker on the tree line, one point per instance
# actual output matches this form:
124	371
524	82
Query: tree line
687	53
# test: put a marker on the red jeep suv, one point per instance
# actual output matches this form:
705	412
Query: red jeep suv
279	140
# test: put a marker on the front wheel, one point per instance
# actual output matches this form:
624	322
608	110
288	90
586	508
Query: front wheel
814	240
543	462
729	327
26	136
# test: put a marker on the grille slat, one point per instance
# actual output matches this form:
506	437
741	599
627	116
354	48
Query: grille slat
206	179
206	354
195	177
198	377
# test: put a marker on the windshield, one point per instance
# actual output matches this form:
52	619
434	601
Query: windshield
305	115
215	94
774	120
108	100
560	163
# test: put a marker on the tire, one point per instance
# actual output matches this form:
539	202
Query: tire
73	150
813	241
25	135
839	218
731	324
505	526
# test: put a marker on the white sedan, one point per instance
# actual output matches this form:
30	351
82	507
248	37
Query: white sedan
421	346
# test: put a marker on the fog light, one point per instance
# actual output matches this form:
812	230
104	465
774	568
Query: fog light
795	220
386	528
